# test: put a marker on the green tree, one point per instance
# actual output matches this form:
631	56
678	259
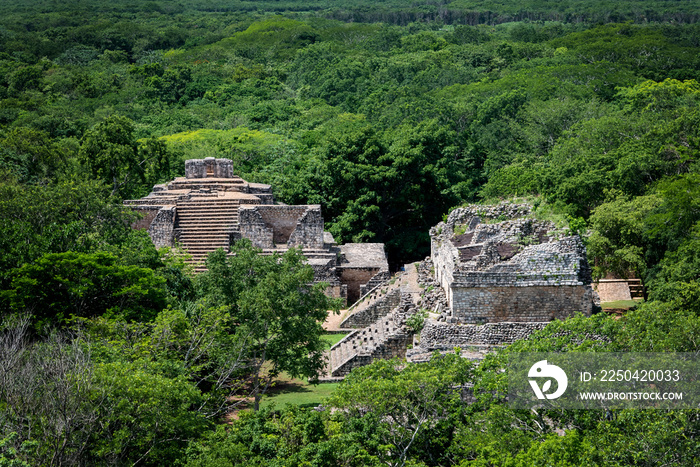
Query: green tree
59	286
277	308
56	218
405	403
110	152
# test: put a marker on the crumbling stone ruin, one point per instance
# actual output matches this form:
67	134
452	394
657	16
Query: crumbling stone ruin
211	208
498	274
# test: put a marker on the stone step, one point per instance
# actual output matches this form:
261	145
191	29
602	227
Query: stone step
208	198
202	225
207	220
207	209
191	237
210	225
217	214
208	216
198	250
371	341
206	225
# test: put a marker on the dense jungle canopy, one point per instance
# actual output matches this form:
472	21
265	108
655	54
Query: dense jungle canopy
388	114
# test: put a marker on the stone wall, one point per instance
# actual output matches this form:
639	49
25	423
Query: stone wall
387	337
355	278
162	226
495	265
380	278
292	226
209	167
519	304
308	230
611	290
444	336
149	213
252	226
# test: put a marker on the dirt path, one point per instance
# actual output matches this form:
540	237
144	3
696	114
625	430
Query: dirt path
333	321
410	282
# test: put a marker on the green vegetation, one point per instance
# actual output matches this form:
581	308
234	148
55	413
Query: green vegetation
297	392
388	115
620	304
332	339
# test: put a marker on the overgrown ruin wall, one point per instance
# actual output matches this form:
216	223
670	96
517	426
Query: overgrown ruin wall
519	304
308	230
252	226
495	268
442	336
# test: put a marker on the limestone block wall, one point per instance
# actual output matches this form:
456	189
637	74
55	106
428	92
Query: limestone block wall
149	213
478	305
253	227
308	230
282	220
378	279
209	167
355	278
292	226
445	258
162	226
444	336
611	290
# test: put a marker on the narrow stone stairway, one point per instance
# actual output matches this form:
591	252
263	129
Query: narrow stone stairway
387	337
206	224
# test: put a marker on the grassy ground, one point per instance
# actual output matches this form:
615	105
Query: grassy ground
289	390
332	338
298	392
624	304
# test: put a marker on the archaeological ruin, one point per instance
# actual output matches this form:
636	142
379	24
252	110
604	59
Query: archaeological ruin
211	208
501	274
495	275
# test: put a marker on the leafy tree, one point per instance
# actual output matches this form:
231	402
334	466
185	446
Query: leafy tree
277	308
111	153
59	286
31	155
60	217
620	241
676	279
147	416
405	404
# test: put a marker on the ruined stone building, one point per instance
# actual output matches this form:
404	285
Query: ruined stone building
496	274
501	275
211	208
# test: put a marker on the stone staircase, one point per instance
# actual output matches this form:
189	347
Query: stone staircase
636	288
386	337
206	223
381	302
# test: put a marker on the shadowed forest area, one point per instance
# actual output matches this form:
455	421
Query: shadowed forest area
387	114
